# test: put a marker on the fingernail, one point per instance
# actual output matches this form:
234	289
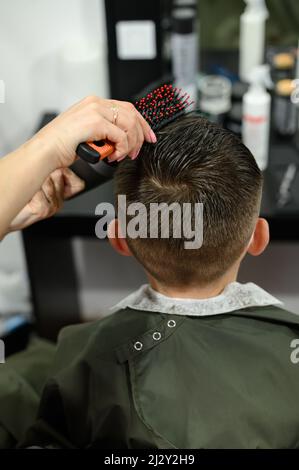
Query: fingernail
134	155
120	159
153	137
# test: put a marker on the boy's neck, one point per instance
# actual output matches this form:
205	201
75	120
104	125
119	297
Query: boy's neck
195	291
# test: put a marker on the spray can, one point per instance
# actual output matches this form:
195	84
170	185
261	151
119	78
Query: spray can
257	115
184	48
285	111
252	37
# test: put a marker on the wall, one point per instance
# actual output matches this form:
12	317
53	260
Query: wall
32	32
32	35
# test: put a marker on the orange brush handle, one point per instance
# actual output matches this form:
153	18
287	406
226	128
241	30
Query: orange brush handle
104	150
93	152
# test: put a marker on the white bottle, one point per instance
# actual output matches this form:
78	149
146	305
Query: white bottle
257	115
252	37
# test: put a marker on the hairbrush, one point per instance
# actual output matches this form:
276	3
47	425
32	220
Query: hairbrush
159	108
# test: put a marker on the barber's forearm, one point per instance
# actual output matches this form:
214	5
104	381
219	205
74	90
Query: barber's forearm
22	173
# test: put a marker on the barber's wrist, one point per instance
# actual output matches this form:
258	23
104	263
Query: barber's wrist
40	150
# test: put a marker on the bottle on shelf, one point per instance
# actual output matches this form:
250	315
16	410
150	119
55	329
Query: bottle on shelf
257	115
252	37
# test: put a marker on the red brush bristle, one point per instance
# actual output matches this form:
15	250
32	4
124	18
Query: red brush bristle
163	105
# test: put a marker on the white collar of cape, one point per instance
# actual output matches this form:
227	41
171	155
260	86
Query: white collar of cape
234	297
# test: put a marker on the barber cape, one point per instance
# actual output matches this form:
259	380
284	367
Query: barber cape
175	373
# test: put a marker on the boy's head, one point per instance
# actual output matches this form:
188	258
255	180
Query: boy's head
195	161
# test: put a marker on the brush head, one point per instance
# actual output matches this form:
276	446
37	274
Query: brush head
163	105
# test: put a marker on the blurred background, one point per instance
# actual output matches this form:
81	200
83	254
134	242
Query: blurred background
54	52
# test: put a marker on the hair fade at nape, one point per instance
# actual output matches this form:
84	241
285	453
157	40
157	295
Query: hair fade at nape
194	161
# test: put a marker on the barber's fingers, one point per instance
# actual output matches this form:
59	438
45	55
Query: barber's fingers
148	134
140	140
104	106
108	131
53	192
128	123
58	181
72	183
40	206
61	185
96	119
125	118
138	130
133	128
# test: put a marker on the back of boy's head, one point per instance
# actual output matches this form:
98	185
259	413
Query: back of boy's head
194	161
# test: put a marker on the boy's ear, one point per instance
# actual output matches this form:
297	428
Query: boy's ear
260	238
116	240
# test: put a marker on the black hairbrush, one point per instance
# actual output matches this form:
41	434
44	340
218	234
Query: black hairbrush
163	105
159	108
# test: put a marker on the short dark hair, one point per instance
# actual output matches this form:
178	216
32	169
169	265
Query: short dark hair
194	160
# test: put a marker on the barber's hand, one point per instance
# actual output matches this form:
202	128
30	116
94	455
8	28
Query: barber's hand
59	186
92	119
